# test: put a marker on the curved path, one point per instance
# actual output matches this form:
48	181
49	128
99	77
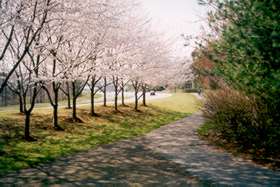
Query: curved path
170	156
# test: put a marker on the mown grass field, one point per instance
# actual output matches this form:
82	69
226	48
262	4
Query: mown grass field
110	126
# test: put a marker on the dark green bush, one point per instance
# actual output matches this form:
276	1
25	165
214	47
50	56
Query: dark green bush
242	120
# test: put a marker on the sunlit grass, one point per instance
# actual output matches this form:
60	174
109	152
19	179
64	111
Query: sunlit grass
179	102
109	127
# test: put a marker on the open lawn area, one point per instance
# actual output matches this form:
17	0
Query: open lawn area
15	153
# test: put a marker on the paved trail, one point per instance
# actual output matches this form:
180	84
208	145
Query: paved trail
170	156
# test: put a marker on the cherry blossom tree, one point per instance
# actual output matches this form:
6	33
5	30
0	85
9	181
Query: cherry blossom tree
28	82
64	46
53	73
25	19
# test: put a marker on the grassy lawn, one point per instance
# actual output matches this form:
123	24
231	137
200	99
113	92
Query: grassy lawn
179	102
109	127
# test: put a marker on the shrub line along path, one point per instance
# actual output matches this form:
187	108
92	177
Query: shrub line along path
172	155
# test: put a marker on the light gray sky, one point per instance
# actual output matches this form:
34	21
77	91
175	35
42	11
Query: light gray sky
176	17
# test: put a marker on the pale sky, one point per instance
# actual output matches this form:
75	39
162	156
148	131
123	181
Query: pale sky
176	17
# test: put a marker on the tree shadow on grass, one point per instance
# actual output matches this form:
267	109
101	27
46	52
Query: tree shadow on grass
124	164
171	156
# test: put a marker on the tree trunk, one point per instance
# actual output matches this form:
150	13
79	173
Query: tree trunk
105	92
55	111
74	101
69	102
92	109
116	99
74	110
123	104
20	104
27	113
136	100
68	96
27	126
76	92
55	107
55	116
116	82
92	106
144	96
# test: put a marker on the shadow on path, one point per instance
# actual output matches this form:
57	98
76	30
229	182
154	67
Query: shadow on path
170	156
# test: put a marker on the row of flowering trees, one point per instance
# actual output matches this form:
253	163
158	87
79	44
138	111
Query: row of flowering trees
63	46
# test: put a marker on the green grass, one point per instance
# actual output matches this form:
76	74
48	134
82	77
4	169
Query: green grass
179	102
16	154
206	129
